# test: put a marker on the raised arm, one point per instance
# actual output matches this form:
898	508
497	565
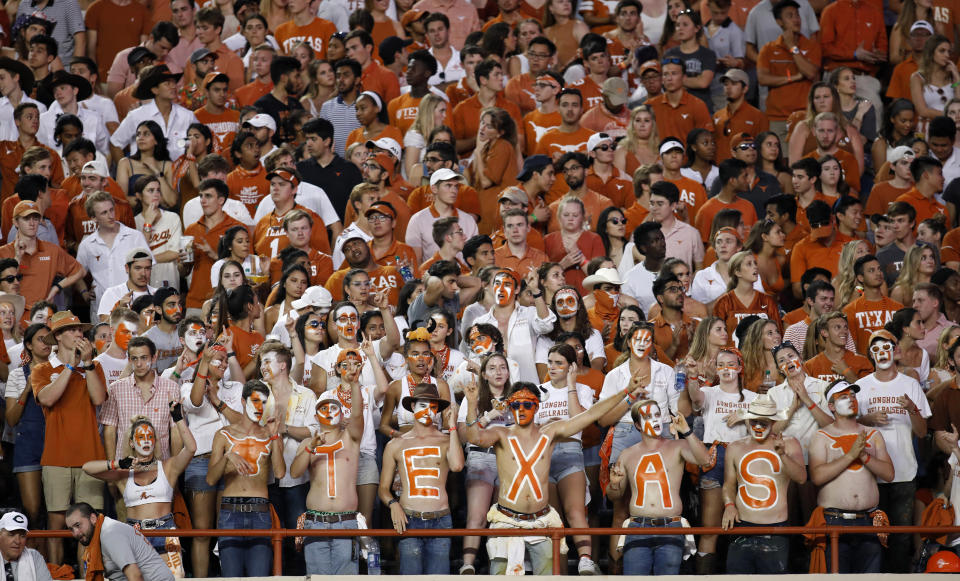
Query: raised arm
473	433
570	426
355	426
175	465
390	401
379	373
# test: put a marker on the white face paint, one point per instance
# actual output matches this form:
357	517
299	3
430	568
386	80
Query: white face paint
882	352
760	429
567	303
651	424
270	366
256	406
426	412
641	342
348	321
144	440
329	414
194	337
846	405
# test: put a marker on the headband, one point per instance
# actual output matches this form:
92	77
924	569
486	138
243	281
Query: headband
376	98
728	230
523	395
548	80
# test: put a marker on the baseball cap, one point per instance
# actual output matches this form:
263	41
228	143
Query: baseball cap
97	167
314	296
669	144
213	77
285	175
532	164
741	138
200	54
137	254
26	208
615	90
137	54
444	175
649	66
261	120
388	144
14	521
901	152
515	195
411	16
386	161
596	139
737	75
842	386
381	208
922	25
393	44
882	334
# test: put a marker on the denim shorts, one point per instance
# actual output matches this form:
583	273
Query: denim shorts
567	459
158	543
482	466
195	476
367	471
713	478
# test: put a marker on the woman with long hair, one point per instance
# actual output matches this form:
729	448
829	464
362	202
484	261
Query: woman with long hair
356	289
408	293
383	24
766	241
374	120
161	229
858	111
616	351
919	264
717	402
11	311
832	183
550	278
845	282
899	123
667	40
321	86
493	380
701	157
910	12
907	326
612	229
560	25
293	282
309	338
943	371
151	158
26	417
640	146
572	246
493	165
932	84
742	298
772	161
757	348
823	97
186	177
499	42
708	338
688	32
431	114
240	309
255	31
567	305
442	326
230	276
276	11
235	246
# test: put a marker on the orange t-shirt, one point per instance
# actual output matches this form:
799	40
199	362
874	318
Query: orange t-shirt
591	91
881	196
535	126
403	112
794	316
519	89
467	199
534	239
71	437
458	93
747	119
464	269
319	265
388	131
618	187
899	87
56	213
249	187
851	169
389	258
269	237
599	120
466	115
950	247
10	154
810	253
403	214
200	289
865	316
246	344
383	277
79	224
223	126
40	269
117	27
690	113
589	244
663	334
822	368
925	207
635	215
316	34
533	258
248	94
380	80
729	308
500	167
704	218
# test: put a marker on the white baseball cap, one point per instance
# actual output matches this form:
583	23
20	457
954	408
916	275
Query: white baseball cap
97	167
261	120
388	144
901	152
596	139
671	144
14	521
314	296
443	175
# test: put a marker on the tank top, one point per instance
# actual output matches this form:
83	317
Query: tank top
157	491
653	26
404	417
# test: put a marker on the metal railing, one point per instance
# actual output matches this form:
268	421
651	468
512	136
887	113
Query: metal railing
556	535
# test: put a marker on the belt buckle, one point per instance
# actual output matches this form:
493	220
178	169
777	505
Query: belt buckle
848	515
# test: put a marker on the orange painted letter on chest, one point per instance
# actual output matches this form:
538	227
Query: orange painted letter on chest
416	489
749	465
331	453
650	472
525	468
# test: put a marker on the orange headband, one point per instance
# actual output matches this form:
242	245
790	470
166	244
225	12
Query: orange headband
523	395
548	80
728	230
734	351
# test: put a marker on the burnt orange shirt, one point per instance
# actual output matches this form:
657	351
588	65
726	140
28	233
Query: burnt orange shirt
599	120
40	269
822	368
534	239
663	335
704	218
464	269
881	196
383	277
466	115
729	308
458	93
796	235
866	316
200	288
746	119
535	126
554	144
899	87
79	224
593	203
809	253
519	89
398	203
223	126
380	80
71	437
389	131
56	213
10	154
500	167
591	91
422	197
775	58
248	94
389	258
950	247
925	207
269	237
846	26
851	169
316	34
403	112
246	344
532	258
319	265
618	187
249	187
635	216
690	113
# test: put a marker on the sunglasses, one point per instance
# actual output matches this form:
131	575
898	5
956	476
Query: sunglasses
746	146
314	324
527	405
672	60
617	220
11	278
604	147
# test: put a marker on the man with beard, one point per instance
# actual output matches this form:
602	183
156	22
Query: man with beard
279	102
115	550
651	471
245	454
424	457
573	165
341	111
846	459
357	254
164	333
125	325
738	116
758	471
523	460
895	404
672	328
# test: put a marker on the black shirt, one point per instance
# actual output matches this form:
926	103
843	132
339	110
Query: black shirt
337	179
279	111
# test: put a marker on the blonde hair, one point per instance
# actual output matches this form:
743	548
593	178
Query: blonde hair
814	343
942	361
754	360
632	140
700	344
909	271
736	261
845	282
423	124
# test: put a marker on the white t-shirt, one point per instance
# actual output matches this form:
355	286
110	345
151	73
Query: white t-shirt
112	296
662	388
204	421
165	236
802	425
168	346
309	196
639	285
368	443
301	412
708	285
327	359
112	367
881	396
594	346
554	403
716	405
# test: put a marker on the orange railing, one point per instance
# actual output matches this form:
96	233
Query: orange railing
556	535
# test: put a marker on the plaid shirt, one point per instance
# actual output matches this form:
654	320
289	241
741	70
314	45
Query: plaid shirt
125	402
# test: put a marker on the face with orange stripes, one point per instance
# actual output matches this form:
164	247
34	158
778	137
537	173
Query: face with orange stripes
524	406
651	424
329	414
760	429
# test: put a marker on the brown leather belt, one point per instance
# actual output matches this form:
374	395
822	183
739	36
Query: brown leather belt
522	515
427	515
245	507
330	517
655	521
846	514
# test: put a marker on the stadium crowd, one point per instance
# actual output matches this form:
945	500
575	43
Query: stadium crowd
639	263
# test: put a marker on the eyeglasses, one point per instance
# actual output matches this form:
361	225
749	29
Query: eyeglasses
617	221
11	278
377	218
537	55
432	159
527	405
673	289
746	146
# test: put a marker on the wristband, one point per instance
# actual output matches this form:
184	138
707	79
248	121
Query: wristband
533	218
453	429
684	435
175	374
274	437
729	504
867	461
812	405
204	377
220	406
393	433
231	354
90	366
468	424
392	502
70	367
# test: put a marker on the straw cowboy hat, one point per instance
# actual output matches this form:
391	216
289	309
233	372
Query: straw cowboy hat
763	408
63	320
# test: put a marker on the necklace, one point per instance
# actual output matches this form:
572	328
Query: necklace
443	357
346	400
411	382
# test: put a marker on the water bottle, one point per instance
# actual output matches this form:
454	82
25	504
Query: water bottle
767	382
405	271
373	557
681	377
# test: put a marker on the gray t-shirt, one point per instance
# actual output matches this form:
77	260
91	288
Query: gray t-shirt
168	347
122	546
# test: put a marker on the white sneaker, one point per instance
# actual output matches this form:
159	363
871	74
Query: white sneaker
467	569
588	567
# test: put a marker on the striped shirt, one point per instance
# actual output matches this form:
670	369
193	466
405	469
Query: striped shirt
344	119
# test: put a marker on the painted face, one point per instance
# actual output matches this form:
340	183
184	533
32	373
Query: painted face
256	404
194	337
651	424
125	331
270	366
173	312
641	342
760	429
727	366
846	405
789	364
480	344
426	412
882	352
503	288
42	316
567	303
144	440
419	358
524	406
219	360
347	323
329	414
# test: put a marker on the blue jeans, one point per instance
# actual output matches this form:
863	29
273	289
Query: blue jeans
652	554
758	554
158	543
331	556
291	502
425	555
858	553
244	556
